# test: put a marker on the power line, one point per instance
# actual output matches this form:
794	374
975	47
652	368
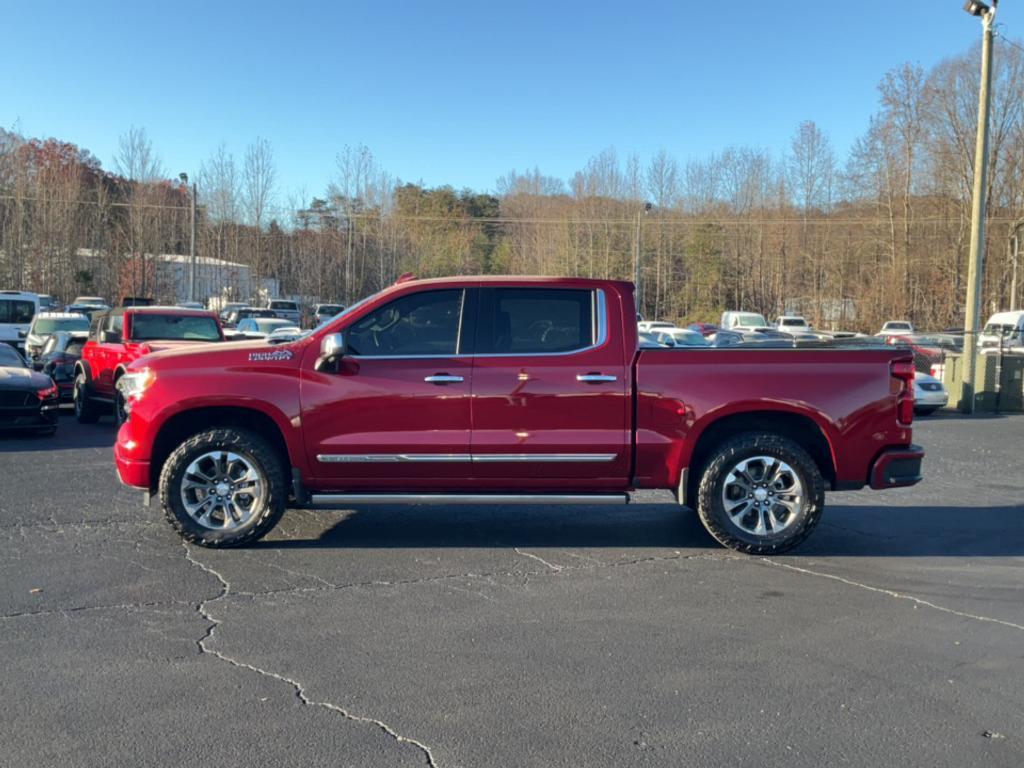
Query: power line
690	219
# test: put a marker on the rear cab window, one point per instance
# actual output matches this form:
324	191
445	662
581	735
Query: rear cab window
156	327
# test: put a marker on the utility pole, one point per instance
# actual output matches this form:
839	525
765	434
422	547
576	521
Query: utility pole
348	259
1014	258
192	248
192	239
976	263
636	255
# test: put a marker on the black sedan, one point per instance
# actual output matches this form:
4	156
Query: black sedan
28	400
57	360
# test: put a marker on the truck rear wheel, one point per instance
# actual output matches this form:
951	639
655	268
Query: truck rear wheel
223	488
86	409
760	493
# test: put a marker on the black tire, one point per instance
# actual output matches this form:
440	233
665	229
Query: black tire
711	504
255	450
86	409
120	414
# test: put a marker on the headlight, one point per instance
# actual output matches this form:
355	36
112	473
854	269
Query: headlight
133	384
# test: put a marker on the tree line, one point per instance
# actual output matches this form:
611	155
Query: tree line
848	241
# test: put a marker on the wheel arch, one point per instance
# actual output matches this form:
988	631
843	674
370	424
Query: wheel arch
798	427
83	367
182	425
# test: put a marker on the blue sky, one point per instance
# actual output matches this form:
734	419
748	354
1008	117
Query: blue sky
461	92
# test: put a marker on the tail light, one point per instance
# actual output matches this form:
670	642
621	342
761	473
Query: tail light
903	371
46	392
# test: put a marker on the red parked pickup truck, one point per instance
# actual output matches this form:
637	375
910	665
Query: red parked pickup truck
507	391
120	336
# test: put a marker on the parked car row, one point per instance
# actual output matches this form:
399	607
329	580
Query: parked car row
751	330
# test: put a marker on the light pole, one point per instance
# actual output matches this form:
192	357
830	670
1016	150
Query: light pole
1014	256
636	255
192	239
976	263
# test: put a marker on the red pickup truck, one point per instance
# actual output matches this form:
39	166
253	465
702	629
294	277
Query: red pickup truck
511	391
120	336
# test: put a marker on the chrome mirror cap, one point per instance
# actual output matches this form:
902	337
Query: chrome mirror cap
332	345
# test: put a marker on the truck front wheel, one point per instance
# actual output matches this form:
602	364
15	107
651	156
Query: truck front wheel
760	493
223	487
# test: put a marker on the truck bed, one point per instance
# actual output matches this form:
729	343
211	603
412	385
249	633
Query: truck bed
844	392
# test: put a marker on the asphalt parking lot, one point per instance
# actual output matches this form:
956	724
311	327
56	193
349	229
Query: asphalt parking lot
402	636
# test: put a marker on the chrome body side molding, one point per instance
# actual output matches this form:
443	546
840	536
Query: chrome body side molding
479	458
336	499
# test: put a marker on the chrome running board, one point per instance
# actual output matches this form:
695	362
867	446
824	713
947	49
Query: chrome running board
337	499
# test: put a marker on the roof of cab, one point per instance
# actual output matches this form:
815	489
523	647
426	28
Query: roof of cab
153	310
513	280
1006	318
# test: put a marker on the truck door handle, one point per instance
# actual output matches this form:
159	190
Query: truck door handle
443	378
594	378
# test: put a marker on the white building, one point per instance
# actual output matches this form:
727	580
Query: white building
216	279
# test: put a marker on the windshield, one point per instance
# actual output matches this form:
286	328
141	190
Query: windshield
351	309
329	309
283	305
147	327
689	339
45	325
266	325
999	329
749	318
794	321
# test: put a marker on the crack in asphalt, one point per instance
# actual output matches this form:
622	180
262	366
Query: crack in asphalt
892	593
331	587
300	691
86	524
82	608
539	559
550	569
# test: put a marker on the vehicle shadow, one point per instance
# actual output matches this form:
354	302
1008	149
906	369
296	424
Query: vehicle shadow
70	434
845	531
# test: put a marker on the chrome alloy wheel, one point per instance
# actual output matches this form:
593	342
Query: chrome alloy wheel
222	490
763	495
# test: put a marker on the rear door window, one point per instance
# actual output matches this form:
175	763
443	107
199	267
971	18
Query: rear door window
535	321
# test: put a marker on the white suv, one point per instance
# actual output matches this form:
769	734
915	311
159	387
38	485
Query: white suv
792	324
16	312
289	310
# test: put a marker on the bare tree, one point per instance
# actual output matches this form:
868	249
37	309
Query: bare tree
258	178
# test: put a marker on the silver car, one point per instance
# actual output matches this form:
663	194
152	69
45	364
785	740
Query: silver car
929	394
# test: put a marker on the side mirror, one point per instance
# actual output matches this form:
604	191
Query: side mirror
332	349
